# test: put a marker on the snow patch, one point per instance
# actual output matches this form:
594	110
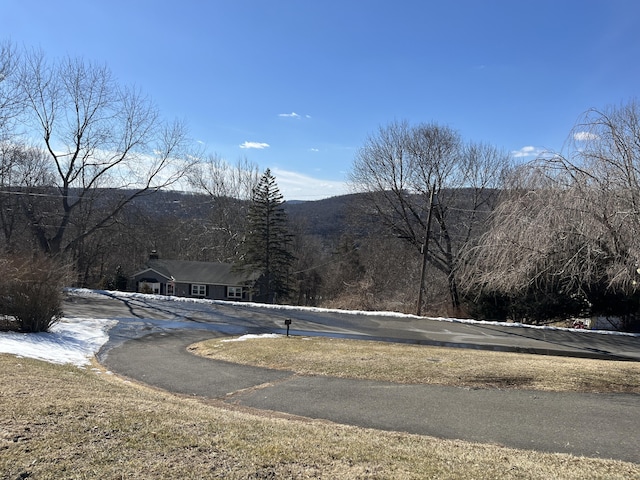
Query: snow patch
72	341
251	336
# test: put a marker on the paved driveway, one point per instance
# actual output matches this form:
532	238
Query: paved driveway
605	426
149	344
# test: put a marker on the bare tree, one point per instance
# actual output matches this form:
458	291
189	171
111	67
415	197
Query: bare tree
25	178
218	178
229	188
11	100
106	143
400	166
567	229
307	265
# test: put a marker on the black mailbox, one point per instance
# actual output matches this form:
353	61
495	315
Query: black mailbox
287	322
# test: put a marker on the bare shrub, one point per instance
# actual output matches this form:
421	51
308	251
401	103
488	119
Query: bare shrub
31	292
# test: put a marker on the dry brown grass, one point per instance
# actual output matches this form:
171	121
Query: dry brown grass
62	422
415	364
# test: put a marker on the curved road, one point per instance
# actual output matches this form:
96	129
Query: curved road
149	345
143	314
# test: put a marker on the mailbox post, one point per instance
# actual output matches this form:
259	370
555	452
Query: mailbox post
287	322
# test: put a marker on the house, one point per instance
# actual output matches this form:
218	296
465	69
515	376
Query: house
212	280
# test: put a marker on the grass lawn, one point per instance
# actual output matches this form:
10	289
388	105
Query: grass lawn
415	364
66	422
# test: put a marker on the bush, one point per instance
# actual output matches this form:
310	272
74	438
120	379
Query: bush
532	306
488	306
615	304
31	292
118	281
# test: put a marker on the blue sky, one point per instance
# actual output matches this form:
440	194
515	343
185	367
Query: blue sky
297	85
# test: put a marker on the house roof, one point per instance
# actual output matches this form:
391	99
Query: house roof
209	273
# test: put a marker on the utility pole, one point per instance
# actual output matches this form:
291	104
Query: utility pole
433	200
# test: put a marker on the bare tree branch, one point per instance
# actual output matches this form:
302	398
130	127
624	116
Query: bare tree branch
100	138
397	168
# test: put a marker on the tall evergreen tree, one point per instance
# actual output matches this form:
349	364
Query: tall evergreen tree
267	243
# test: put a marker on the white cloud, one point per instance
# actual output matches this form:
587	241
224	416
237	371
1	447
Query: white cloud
584	136
528	151
293	115
298	186
258	145
290	115
314	150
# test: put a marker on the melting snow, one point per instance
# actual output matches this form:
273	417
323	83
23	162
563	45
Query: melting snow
69	341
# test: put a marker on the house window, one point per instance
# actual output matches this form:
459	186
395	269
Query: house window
149	287
234	292
199	290
170	289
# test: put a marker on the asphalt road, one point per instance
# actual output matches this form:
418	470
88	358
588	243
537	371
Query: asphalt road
149	344
592	425
145	315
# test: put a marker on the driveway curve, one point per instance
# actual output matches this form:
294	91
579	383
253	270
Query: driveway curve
593	425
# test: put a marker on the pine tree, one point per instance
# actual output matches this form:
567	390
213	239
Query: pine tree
267	243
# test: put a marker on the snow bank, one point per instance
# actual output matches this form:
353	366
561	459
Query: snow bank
73	341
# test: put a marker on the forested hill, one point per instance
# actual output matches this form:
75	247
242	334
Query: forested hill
329	218
326	218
